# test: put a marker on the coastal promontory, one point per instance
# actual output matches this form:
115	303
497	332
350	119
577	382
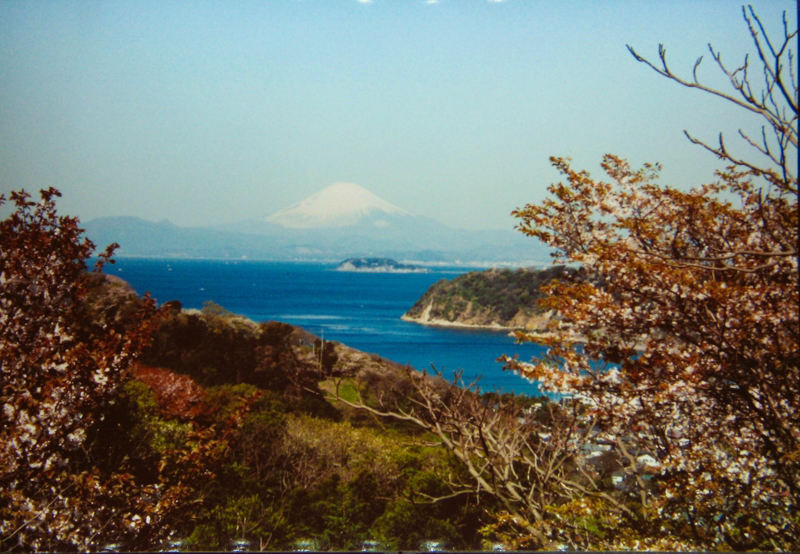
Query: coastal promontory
496	298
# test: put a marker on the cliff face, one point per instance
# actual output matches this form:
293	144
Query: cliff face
494	298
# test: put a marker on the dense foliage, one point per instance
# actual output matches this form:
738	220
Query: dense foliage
64	357
297	472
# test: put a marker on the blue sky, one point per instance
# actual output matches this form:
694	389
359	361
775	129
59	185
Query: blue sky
211	112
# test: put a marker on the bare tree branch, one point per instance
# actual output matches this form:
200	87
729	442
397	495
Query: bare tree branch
527	465
777	102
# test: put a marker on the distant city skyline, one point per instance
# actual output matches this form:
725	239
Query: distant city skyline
208	113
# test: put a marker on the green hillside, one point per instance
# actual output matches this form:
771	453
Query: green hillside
497	297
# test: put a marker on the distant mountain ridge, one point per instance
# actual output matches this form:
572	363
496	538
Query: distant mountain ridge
341	221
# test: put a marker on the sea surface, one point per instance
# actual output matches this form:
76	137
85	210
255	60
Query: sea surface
361	310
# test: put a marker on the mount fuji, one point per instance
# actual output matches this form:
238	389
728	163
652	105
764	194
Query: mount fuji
346	219
339	205
343	220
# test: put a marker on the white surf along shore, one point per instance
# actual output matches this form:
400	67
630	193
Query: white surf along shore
426	319
433	322
536	327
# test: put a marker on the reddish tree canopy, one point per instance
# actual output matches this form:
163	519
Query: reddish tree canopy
61	367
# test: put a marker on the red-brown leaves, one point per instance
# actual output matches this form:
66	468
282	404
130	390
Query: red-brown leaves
707	291
61	370
177	396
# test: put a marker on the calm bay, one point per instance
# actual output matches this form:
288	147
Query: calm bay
361	310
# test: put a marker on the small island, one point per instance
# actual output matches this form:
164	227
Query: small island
379	265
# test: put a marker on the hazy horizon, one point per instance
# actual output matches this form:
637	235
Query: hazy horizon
215	112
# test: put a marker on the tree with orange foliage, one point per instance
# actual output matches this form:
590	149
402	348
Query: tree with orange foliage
684	342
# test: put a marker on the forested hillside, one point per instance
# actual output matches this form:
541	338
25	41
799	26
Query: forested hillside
493	298
296	469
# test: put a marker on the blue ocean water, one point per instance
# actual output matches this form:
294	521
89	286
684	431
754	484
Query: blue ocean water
361	310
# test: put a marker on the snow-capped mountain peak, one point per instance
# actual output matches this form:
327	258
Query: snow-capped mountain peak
339	205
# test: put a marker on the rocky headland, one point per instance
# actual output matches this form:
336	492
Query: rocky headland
493	299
